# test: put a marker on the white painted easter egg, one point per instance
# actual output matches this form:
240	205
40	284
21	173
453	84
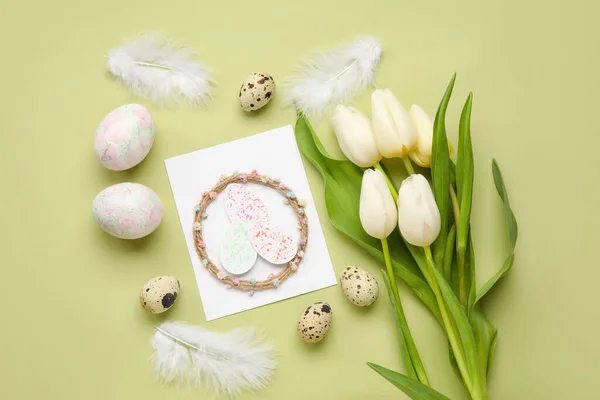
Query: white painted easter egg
127	210
314	323
159	294
256	91
124	137
360	287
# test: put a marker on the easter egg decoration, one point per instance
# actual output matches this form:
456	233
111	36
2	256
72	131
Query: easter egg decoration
159	294
256	91
359	286
124	137
314	323
127	210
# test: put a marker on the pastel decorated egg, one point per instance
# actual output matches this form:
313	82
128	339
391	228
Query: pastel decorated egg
159	294
314	323
124	137
256	91
360	287
127	210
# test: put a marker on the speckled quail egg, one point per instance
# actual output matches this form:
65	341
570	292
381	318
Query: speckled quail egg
256	91
314	322
360	287
159	294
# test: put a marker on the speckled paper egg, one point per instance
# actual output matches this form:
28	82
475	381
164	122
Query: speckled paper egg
127	210
159	294
314	322
360	287
124	137
256	91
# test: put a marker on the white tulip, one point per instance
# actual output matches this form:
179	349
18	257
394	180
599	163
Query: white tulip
395	133
355	136
418	214
424	124
377	211
421	154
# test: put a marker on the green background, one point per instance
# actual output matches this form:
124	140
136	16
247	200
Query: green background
72	327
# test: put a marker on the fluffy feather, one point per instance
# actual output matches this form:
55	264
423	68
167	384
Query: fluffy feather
333	78
227	363
161	71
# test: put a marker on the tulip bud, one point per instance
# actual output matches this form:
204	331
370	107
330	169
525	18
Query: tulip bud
421	154
418	214
355	136
395	133
378	214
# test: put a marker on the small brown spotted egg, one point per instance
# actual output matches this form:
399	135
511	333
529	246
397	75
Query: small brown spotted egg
360	287
256	91
314	322
159	294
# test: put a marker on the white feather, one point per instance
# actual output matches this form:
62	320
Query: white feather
333	78
227	363
156	69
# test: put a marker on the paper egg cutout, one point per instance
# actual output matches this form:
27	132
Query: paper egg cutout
127	210
237	254
124	137
243	204
271	243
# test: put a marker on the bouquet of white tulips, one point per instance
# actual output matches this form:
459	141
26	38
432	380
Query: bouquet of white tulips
420	231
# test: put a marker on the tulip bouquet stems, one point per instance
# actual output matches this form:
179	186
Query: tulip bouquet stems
421	231
413	359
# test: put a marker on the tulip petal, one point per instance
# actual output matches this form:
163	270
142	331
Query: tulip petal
377	211
393	128
355	136
418	215
424	126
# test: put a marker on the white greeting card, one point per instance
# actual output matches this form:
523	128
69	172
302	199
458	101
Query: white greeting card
275	154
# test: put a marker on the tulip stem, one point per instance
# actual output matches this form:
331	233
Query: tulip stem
390	184
455	206
408	165
411	347
450	329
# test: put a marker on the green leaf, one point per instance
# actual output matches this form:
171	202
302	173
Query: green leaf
408	364
485	337
440	173
513	232
464	186
342	195
414	389
453	363
464	160
483	330
449	255
463	326
471	282
460	320
486	334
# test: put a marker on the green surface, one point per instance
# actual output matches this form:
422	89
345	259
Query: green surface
72	327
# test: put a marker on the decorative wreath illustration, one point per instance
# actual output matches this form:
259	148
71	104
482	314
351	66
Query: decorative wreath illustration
251	224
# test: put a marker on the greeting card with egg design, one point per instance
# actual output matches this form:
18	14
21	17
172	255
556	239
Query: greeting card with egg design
250	223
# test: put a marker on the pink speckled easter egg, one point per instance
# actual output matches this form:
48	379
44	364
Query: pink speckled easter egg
127	210
124	137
